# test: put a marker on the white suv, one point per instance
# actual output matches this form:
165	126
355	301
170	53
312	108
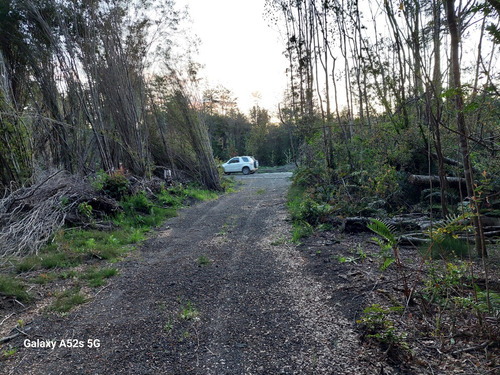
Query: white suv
244	164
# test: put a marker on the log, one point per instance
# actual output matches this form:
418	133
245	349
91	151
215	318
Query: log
453	162
418	179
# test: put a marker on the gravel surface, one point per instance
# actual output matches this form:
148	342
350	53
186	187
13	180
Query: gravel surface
217	290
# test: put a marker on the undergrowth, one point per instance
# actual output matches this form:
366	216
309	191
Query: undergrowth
76	255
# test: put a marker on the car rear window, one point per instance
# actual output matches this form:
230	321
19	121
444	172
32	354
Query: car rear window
246	160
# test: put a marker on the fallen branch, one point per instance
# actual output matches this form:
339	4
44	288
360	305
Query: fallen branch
8	338
472	348
418	179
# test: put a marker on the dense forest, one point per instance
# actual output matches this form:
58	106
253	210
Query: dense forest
86	86
383	91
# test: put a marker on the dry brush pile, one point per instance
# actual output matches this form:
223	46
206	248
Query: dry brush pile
29	216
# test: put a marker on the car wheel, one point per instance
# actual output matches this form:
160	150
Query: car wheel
246	170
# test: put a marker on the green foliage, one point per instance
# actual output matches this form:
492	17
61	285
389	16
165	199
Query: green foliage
11	287
85	209
114	185
7	353
448	247
387	232
453	225
68	299
442	284
138	203
96	277
384	230
379	326
189	312
301	229
203	260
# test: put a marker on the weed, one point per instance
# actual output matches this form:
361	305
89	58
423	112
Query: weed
280	241
90	243
112	240
86	210
343	259
68	299
260	191
184	336
44	278
386	231
189	312
380	327
168	326
300	230
7	353
203	260
96	277
11	287
67	275
30	263
136	236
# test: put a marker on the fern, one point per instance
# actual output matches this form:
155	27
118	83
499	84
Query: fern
384	230
454	223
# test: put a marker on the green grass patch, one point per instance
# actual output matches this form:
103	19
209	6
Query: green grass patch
71	247
67	300
96	277
7	353
203	260
11	287
30	263
45	278
189	312
301	229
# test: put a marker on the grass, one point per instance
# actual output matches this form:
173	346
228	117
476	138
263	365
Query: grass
12	287
203	260
74	247
279	241
7	353
96	277
189	312
45	278
168	326
68	299
301	229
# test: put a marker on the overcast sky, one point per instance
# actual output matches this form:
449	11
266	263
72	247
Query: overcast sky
239	50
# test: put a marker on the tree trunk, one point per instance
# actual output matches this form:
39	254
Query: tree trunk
461	126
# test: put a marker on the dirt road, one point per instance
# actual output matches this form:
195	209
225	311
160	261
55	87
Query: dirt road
217	290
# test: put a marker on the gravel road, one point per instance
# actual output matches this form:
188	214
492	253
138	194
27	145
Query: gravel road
217	290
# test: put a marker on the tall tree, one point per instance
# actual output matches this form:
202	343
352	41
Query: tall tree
463	131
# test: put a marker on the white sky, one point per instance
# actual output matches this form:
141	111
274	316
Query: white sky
239	50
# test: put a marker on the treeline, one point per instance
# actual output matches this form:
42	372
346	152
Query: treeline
233	133
379	90
86	86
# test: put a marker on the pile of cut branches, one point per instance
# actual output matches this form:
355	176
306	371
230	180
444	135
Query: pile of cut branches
29	216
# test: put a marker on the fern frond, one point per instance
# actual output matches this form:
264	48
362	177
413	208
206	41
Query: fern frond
384	230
